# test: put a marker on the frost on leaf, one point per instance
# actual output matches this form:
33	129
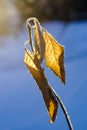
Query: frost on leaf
54	55
44	47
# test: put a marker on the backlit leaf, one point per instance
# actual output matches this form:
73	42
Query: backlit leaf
39	41
48	93
44	46
54	55
52	109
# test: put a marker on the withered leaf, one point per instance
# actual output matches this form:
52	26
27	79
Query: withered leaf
45	46
39	41
54	55
48	93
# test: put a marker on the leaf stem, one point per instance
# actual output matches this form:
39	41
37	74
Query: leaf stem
65	112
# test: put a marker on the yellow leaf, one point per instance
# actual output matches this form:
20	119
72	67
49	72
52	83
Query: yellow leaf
54	55
48	93
45	45
39	41
29	61
52	110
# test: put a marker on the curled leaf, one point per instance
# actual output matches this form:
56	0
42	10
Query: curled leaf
54	55
39	41
44	46
47	91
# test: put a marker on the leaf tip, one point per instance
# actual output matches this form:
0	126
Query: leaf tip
51	121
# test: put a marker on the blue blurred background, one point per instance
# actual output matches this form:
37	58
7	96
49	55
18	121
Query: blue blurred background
21	103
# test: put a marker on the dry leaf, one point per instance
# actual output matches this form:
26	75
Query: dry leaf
39	41
46	45
48	93
54	55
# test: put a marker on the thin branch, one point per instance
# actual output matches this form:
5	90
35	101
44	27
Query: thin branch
65	112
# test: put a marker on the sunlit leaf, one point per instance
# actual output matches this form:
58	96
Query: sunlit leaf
54	55
39	41
32	67
52	110
45	46
48	93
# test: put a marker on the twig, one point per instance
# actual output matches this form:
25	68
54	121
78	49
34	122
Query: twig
65	112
